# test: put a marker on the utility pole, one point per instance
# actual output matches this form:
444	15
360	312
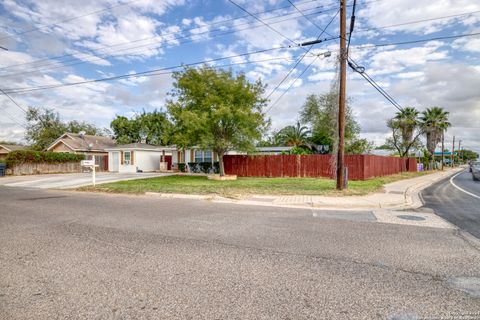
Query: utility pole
443	148
459	148
341	96
453	152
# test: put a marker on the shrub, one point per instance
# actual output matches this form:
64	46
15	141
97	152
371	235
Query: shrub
216	167
194	167
182	167
30	156
205	167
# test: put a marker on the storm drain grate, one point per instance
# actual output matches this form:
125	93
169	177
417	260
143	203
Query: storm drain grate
410	217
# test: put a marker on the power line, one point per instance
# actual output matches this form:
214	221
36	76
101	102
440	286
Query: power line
11	99
122	54
14	119
282	35
291	84
418	21
415	41
301	58
361	70
352	26
138	74
172	33
68	19
323	30
260	20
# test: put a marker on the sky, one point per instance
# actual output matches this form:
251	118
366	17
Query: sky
52	43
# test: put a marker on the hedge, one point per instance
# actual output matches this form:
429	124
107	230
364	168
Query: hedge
204	167
30	156
182	167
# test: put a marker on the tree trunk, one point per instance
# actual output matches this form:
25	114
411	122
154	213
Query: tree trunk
220	162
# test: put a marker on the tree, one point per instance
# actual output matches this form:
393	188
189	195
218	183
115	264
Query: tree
358	146
44	126
434	123
297	135
320	113
406	131
153	127
217	110
467	155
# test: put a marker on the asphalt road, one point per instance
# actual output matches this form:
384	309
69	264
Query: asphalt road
71	180
457	201
66	255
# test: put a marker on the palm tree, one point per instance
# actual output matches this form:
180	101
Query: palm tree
407	121
296	136
434	122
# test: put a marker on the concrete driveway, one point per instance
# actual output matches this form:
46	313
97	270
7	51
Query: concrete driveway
71	180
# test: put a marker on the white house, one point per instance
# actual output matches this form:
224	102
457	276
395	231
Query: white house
138	157
197	155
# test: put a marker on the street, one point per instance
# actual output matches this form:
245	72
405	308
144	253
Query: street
70	255
71	180
457	200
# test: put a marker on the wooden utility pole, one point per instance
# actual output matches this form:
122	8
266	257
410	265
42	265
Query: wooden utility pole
453	152
459	148
342	96
443	148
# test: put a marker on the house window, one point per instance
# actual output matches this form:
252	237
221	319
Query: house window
198	156
207	156
127	157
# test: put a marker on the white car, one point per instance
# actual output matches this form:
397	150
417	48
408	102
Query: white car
475	170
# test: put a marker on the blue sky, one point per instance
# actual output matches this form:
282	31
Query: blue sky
98	39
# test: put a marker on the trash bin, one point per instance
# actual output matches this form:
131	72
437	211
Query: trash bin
3	168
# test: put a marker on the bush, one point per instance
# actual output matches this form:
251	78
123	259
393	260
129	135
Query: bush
194	167
204	167
29	156
182	167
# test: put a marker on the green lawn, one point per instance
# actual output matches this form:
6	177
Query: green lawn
244	186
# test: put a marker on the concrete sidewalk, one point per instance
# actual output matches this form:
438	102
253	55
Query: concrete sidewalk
400	195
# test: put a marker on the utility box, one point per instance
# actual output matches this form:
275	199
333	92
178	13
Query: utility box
3	168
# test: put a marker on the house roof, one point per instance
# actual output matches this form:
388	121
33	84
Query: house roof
141	146
12	147
77	142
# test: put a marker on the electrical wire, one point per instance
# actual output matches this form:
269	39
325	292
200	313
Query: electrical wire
418	21
261	21
301	58
97	58
352	26
415	41
360	70
138	74
68	19
291	84
11	99
172	33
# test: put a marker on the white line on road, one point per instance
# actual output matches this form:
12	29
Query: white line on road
463	190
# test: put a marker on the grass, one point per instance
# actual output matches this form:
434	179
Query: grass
244	186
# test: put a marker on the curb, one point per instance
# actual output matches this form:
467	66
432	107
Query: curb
412	199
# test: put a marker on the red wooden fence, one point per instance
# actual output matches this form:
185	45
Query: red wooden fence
360	167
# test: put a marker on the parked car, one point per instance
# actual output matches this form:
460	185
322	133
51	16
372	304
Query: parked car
475	169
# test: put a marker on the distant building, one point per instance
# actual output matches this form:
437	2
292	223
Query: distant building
7	148
89	145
